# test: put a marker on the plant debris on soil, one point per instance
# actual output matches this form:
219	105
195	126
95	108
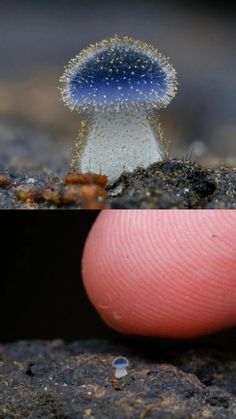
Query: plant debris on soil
167	184
76	380
34	174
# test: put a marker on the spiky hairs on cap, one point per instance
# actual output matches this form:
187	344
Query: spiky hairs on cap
118	73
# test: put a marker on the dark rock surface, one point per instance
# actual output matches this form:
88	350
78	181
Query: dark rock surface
57	380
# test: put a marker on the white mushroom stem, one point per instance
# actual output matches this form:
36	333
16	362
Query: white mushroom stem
120	372
118	141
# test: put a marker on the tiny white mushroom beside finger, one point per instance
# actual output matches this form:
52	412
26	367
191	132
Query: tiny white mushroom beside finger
120	364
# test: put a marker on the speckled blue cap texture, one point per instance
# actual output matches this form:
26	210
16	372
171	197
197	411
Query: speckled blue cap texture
118	73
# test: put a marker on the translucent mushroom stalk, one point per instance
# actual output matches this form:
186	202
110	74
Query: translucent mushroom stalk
120	372
109	134
118	85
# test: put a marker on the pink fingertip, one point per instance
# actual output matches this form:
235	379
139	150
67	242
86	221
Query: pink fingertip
163	273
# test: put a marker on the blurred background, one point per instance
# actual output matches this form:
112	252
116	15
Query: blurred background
41	290
39	37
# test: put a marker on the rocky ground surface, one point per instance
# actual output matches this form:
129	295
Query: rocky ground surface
169	184
76	380
176	184
33	168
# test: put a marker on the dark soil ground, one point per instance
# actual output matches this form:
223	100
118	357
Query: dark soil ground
70	381
176	184
33	167
169	184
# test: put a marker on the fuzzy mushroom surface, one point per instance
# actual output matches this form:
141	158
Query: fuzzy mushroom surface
118	85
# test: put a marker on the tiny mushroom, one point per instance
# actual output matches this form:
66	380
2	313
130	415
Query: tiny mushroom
118	84
120	363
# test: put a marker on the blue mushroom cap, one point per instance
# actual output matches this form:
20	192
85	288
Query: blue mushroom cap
118	73
120	362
